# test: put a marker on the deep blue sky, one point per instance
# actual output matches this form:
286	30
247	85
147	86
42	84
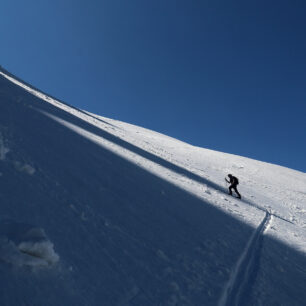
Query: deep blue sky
225	75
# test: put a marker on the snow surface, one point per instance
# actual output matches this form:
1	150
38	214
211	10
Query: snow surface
95	211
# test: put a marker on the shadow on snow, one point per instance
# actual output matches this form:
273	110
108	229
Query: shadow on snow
124	235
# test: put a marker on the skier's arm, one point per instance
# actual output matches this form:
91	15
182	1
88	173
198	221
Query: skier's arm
227	180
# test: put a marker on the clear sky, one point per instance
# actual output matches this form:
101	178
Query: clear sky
221	74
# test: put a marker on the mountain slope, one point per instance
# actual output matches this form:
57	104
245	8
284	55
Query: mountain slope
99	212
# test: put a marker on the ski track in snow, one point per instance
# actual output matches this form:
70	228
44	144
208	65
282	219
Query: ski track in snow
266	211
238	283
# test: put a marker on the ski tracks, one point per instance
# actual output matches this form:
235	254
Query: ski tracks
244	271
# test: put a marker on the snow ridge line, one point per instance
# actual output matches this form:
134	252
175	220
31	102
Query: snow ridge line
238	282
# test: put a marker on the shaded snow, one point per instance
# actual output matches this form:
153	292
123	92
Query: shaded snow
25	245
127	216
3	149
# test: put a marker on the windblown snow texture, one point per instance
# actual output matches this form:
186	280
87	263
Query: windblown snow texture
99	212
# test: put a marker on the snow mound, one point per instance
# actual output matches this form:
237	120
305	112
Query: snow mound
25	245
24	168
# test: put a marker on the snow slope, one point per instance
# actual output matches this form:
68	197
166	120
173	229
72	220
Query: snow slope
95	211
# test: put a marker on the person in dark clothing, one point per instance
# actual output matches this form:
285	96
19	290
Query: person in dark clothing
233	181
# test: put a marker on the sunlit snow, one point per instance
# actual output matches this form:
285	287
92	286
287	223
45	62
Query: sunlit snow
95	211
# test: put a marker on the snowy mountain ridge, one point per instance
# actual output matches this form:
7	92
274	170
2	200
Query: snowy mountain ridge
128	216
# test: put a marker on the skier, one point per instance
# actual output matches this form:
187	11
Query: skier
233	181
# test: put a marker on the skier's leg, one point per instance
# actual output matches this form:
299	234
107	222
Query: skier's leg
230	190
238	194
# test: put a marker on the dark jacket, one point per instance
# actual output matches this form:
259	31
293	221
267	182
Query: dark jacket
233	180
